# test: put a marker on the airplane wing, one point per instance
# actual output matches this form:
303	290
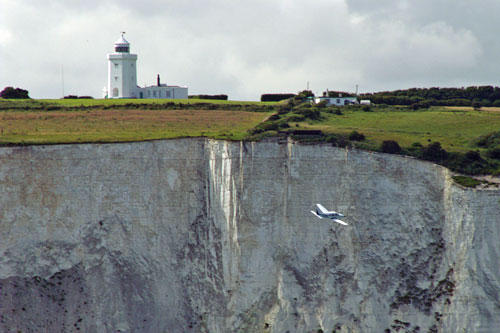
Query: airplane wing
341	222
316	214
322	209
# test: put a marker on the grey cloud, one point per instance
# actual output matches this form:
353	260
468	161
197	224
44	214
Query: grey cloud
246	48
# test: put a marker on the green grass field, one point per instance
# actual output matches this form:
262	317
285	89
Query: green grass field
31	121
455	129
108	102
28	122
50	127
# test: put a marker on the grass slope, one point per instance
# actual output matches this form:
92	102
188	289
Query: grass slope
454	129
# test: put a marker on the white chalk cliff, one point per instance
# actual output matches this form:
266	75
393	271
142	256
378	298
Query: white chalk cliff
198	235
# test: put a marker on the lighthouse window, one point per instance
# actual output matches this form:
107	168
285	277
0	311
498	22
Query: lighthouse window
121	49
116	78
116	65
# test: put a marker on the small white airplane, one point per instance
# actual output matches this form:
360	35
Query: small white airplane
322	212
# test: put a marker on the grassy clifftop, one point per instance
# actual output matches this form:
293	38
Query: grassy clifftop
458	130
88	120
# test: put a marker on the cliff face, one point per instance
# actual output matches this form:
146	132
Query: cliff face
201	235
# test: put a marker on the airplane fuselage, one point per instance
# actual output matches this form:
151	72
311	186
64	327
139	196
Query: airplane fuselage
330	215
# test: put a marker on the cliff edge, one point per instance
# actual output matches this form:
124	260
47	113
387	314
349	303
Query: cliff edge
198	235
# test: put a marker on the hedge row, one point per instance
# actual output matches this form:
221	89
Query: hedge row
275	97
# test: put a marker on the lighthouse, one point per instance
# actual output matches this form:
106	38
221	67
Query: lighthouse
122	71
122	77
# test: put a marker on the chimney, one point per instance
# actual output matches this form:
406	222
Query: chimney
158	80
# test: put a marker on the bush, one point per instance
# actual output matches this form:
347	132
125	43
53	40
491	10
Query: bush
282	109
461	163
473	155
355	136
341	142
220	97
304	94
390	147
421	105
366	108
296	118
415	149
334	110
309	113
11	93
269	126
493	153
489	140
434	152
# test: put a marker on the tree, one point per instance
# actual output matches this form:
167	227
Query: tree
11	93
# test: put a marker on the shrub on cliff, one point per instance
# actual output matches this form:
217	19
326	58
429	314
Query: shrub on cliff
493	153
470	163
489	140
356	136
390	147
473	155
434	152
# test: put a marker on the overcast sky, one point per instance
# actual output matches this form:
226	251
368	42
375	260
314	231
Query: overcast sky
245	48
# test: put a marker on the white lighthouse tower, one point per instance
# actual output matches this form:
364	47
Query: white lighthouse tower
122	72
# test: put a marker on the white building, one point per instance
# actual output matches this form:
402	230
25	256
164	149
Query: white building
162	90
122	77
337	100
